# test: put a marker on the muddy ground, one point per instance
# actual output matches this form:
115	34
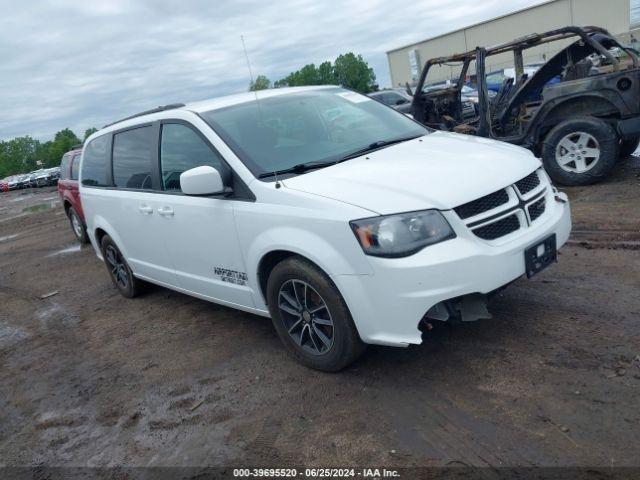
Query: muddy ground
89	378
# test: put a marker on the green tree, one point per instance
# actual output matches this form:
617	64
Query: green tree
63	141
348	70
353	72
18	155
89	131
260	83
22	154
326	74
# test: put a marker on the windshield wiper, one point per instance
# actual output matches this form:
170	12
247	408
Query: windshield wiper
298	168
305	167
376	146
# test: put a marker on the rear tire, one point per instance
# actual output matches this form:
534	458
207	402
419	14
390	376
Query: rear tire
580	151
627	147
311	317
77	226
119	271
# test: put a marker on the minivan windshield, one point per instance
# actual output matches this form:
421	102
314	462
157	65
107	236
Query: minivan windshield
314	127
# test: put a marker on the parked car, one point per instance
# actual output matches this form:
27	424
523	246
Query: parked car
23	181
343	238
45	177
69	192
12	182
396	99
496	78
33	183
578	125
54	175
4	186
471	94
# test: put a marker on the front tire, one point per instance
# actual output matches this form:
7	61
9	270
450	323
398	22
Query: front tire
77	226
580	151
311	317
119	271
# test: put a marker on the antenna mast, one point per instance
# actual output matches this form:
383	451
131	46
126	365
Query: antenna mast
246	55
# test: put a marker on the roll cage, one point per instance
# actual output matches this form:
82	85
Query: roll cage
494	114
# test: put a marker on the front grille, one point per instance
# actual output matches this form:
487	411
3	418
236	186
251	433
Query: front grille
498	229
516	207
536	209
482	204
528	183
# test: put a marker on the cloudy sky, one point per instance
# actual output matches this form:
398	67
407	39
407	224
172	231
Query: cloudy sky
83	63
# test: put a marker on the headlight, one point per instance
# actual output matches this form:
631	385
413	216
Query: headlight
403	234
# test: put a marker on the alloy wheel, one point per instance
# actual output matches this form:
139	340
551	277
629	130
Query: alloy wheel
306	316
117	266
578	152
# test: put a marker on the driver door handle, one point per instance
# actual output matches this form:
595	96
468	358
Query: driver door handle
165	211
147	210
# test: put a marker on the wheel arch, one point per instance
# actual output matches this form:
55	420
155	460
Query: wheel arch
100	233
593	105
99	229
275	245
269	261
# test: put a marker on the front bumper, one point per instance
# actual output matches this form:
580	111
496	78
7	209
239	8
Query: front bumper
387	306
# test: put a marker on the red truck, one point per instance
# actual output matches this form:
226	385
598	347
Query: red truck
70	194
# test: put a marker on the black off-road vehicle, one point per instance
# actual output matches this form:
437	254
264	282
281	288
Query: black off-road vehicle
579	111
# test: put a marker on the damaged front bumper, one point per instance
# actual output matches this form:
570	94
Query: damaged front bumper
388	306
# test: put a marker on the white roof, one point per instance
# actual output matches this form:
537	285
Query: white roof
207	105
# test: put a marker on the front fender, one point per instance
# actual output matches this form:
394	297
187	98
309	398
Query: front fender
346	260
556	111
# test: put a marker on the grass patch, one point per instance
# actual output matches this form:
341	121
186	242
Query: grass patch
41	207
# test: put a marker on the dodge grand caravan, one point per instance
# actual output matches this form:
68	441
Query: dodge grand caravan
343	220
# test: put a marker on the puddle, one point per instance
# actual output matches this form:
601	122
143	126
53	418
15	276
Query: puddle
8	237
55	316
9	336
64	251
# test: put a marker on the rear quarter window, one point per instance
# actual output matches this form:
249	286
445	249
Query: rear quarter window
75	167
94	165
64	167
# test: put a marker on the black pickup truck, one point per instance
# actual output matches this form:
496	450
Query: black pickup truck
579	111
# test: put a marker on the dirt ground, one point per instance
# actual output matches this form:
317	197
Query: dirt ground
88	378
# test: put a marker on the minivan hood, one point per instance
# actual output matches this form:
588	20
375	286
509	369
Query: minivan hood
441	170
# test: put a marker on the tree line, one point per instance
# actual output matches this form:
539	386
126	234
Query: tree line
348	70
25	154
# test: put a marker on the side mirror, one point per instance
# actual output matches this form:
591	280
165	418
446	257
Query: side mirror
203	180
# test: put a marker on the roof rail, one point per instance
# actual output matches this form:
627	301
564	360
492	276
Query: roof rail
161	108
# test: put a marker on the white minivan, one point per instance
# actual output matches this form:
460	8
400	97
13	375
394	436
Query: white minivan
343	220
